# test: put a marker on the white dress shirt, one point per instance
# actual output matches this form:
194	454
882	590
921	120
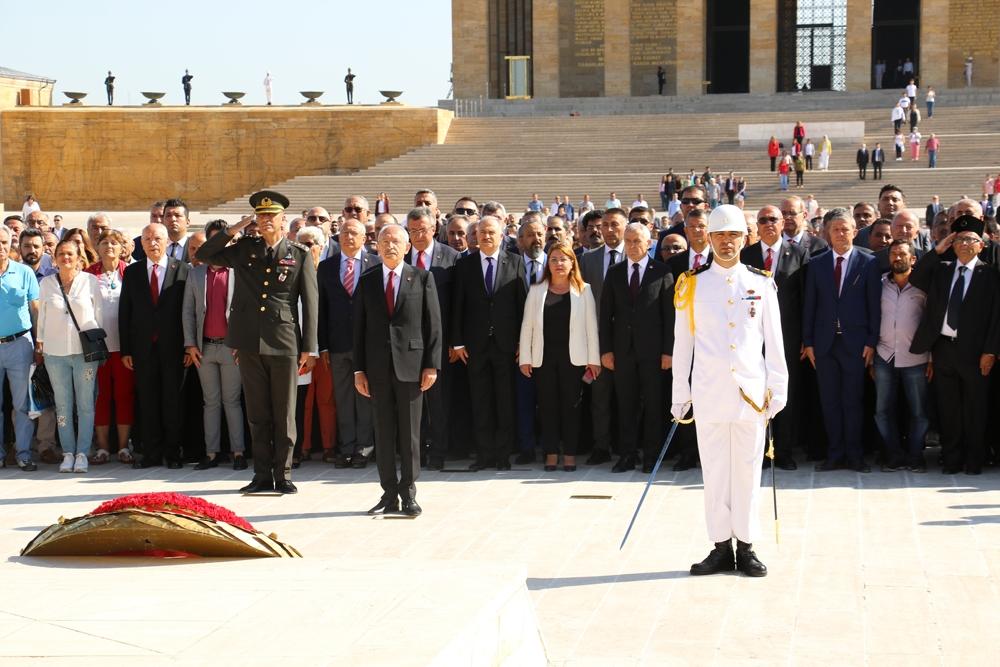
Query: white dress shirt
428	256
55	326
484	264
945	329
631	269
619	256
774	257
395	281
161	271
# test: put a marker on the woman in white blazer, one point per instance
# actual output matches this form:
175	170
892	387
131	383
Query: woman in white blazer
559	348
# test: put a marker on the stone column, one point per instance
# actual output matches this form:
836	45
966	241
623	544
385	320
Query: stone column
469	47
691	47
859	45
545	47
617	50
933	44
763	46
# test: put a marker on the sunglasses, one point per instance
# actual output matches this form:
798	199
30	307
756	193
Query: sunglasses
465	211
692	201
323	218
768	219
354	209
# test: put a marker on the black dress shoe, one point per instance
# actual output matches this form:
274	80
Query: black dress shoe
411	508
285	487
786	464
765	464
598	456
385	506
624	464
174	464
502	464
478	465
359	461
861	467
551	467
258	486
239	463
143	463
721	559
951	470
435	463
524	458
647	468
569	468
685	462
827	466
973	470
206	463
747	562
341	461
892	467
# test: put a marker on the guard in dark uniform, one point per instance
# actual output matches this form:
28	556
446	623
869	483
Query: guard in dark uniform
109	85
186	82
272	327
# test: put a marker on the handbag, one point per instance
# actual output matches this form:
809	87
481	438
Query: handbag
41	393
92	340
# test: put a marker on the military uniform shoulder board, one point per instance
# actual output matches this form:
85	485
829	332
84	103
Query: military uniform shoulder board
296	244
694	272
759	272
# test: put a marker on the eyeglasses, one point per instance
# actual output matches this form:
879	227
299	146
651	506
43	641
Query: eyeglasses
322	218
967	240
465	211
791	214
692	201
354	209
768	219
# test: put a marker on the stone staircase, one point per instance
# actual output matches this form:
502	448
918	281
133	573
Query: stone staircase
508	159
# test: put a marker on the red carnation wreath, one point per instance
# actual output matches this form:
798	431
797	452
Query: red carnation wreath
177	503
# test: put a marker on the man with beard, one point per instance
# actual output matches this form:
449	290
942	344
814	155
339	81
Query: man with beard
589	232
556	230
531	244
902	309
726	313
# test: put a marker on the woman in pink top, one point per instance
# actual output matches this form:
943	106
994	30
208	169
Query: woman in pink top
932	148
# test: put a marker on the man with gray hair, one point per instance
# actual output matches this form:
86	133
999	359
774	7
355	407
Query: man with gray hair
97	223
428	255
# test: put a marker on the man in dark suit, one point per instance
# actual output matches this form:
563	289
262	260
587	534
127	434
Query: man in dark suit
173	214
932	210
397	354
840	328
692	197
152	344
961	328
787	263
636	313
486	309
274	343
338	278
594	266
878	159
439	259
793	210
862	160
531	246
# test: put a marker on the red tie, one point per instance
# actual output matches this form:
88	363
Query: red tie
769	262
349	277
697	261
836	274
421	264
154	285
390	297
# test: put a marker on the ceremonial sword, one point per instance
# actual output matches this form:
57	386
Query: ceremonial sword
652	475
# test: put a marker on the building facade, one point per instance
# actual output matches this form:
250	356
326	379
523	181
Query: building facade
20	89
614	48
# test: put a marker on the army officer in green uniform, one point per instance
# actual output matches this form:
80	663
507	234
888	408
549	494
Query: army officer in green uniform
274	340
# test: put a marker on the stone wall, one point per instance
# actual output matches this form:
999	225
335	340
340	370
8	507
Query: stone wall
40	92
973	30
122	159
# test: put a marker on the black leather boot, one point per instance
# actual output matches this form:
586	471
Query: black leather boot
746	561
721	559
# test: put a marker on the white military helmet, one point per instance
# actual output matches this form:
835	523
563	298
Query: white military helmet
727	218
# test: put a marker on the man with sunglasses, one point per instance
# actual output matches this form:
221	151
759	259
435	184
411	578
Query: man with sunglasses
692	197
787	265
644	216
468	207
317	216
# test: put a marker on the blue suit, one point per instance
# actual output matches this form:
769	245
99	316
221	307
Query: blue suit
838	328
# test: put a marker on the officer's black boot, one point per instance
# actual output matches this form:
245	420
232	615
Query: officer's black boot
746	561
721	559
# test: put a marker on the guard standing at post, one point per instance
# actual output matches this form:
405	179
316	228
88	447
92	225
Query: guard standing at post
272	327
725	313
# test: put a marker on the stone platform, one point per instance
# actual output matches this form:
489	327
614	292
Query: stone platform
878	569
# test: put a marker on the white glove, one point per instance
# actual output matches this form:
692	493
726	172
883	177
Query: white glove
774	407
679	410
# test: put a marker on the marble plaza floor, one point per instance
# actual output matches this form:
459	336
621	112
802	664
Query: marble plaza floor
876	569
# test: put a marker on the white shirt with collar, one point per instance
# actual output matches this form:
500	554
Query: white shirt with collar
704	254
945	329
643	263
395	280
774	257
619	255
794	240
540	260
176	251
428	256
843	266
161	271
496	263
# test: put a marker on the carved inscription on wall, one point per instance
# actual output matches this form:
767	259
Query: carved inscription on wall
653	30
581	48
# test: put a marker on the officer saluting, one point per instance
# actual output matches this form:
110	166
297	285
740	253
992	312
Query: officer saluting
274	276
727	312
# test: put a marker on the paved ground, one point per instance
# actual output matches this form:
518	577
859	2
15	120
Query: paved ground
877	569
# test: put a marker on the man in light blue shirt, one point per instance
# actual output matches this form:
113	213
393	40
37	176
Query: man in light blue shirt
19	295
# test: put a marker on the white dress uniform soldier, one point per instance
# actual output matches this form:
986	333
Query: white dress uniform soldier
728	333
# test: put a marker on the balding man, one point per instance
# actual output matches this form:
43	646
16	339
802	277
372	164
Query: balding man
458	233
793	210
150	328
905	226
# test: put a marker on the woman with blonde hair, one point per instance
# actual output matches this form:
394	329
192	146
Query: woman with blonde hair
87	253
825	151
559	348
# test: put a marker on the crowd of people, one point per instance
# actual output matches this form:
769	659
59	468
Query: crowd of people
554	333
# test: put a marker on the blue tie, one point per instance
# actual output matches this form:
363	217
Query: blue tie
955	302
489	277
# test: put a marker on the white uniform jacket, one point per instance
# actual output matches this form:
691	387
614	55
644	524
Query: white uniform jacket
735	343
